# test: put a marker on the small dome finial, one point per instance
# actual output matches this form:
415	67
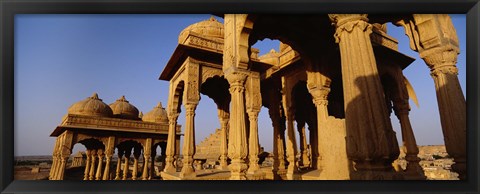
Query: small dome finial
140	115
122	99
94	96
273	51
212	18
159	105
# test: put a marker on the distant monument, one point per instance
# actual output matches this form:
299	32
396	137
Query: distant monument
102	128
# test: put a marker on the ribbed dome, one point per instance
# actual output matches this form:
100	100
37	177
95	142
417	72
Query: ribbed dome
122	109
92	106
271	57
208	28
157	115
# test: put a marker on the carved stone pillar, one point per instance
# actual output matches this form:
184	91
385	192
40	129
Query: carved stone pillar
98	175
305	160
435	38
136	155
62	167
237	141
146	157
172	126
414	170
253	104
92	165
64	152
162	157
313	145
278	151
189	142
291	144
152	163
109	150
253	143
319	96
223	117
451	104
371	141
119	163
55	160
87	166
128	151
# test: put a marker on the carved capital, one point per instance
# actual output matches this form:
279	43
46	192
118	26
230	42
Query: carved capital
172	118
349	22
441	60
253	115
319	96
236	79
340	19
190	109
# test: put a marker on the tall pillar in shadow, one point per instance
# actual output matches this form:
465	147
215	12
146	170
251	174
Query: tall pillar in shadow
434	37
371	141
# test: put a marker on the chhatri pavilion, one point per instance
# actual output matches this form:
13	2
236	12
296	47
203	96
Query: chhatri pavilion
336	78
102	129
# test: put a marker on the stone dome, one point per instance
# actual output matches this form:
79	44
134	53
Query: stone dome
157	115
271	57
211	28
122	109
92	106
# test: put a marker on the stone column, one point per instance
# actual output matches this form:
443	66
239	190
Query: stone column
146	157
223	117
172	126
237	140
128	151
109	150
319	97
414	170
291	139
136	155
92	165
278	151
451	104
64	150
253	142
371	141
152	163
313	145
439	48
98	175
87	166
64	160
106	173
305	160
291	146
189	142
119	164
162	157
54	160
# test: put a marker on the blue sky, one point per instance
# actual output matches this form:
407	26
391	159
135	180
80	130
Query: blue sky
62	59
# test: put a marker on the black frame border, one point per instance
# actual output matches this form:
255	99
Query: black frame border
8	9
